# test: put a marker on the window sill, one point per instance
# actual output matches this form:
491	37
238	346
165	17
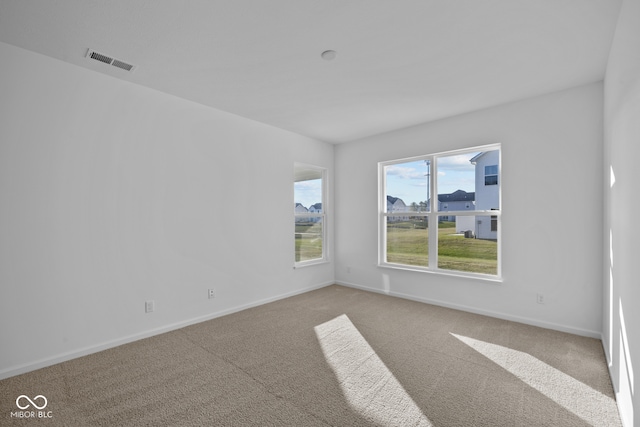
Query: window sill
310	263
461	274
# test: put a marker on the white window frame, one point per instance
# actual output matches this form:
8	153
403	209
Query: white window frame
434	213
323	215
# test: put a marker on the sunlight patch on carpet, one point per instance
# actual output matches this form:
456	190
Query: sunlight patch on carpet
366	382
575	396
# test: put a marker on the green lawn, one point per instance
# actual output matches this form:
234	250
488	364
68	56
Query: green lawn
407	243
308	241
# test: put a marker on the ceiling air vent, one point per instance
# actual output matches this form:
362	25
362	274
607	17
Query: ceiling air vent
92	54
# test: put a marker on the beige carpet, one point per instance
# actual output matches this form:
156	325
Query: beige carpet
332	357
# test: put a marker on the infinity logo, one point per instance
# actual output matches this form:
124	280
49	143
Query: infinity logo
22	396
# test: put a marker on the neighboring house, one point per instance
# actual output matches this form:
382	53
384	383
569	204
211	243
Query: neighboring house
299	208
487	192
459	200
316	208
395	204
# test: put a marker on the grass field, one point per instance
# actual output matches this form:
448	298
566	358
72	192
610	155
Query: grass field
308	241
407	243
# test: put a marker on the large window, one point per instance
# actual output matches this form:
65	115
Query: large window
441	212
309	214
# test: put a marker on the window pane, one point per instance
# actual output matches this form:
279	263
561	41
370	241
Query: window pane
464	244
408	240
491	180
407	186
308	238
309	211
456	182
491	170
307	195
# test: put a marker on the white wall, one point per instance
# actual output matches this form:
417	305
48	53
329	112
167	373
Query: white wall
113	194
621	327
552	157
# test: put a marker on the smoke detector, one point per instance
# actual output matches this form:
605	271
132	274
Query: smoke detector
110	60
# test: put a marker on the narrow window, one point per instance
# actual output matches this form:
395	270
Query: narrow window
437	212
309	214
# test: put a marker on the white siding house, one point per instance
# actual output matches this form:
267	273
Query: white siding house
465	223
487	192
459	200
299	208
394	205
315	208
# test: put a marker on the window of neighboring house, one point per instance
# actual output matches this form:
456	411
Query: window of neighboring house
465	241
491	175
309	195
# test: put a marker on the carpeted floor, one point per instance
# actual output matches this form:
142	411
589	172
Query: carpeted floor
332	357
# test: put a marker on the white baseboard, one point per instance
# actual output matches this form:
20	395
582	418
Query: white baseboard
31	366
73	354
498	315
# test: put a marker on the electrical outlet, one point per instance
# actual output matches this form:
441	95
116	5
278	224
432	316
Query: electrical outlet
540	299
149	306
212	293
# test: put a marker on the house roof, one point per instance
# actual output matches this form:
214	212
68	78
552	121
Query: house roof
475	158
393	200
457	196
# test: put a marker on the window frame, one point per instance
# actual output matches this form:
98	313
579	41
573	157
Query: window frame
491	175
433	213
323	215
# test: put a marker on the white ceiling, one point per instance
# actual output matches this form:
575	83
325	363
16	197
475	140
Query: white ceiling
399	62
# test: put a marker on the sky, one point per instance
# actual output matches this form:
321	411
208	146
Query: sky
408	181
308	192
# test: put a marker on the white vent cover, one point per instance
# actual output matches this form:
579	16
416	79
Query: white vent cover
97	56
